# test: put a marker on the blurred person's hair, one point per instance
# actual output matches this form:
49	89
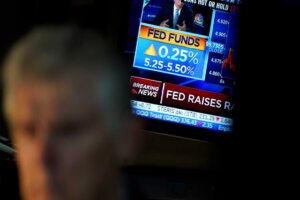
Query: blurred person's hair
50	52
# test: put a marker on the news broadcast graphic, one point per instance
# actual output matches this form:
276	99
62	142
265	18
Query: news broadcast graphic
182	116
165	51
183	105
184	61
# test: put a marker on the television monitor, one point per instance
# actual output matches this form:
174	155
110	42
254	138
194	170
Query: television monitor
184	65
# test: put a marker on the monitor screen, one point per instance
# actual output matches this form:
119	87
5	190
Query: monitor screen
184	58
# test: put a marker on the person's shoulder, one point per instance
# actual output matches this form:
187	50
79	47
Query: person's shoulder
167	7
186	8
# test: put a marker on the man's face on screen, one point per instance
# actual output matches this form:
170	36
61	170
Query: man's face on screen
64	151
178	3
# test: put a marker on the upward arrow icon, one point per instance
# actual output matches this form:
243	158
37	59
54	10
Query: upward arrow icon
150	51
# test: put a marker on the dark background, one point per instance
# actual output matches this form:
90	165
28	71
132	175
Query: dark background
257	162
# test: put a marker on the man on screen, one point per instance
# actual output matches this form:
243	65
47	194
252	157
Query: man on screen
66	100
175	14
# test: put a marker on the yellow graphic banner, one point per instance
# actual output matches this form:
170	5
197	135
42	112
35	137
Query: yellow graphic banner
172	37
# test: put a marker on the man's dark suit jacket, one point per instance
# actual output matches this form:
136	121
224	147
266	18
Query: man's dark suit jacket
167	13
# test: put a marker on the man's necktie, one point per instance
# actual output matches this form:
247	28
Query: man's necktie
176	18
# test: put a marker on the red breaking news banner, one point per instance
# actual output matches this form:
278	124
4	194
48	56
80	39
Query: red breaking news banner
146	89
198	100
181	97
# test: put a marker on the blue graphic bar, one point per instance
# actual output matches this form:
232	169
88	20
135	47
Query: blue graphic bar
181	120
170	59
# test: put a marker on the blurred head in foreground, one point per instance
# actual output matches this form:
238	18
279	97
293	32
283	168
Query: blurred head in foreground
66	101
